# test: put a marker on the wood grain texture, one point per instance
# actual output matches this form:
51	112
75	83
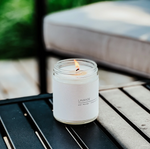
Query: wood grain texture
108	78
140	93
30	67
15	82
51	62
3	93
138	116
128	137
130	84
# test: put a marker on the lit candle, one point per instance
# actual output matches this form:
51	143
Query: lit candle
75	91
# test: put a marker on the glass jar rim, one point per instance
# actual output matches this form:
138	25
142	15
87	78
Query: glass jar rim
92	66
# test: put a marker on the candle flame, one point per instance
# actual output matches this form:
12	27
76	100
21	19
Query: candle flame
76	65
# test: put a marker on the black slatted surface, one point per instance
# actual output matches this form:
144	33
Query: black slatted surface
22	117
147	86
53	130
93	136
18	128
2	144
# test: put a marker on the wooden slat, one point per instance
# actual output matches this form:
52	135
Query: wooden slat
54	131
128	137
14	81
30	67
21	133
27	68
132	111
51	62
140	93
130	84
3	93
109	79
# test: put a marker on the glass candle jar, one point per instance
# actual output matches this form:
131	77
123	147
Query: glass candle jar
75	91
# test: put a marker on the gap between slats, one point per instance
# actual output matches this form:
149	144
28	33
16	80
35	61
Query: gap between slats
78	139
135	100
73	134
39	133
108	134
129	108
125	134
35	127
7	139
125	118
7	142
139	94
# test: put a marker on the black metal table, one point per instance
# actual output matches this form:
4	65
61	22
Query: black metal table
28	123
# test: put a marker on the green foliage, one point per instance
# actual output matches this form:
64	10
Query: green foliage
57	5
17	34
16	23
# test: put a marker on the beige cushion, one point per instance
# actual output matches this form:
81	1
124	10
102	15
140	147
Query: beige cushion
116	34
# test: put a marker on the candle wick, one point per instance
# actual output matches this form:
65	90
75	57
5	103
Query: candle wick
77	69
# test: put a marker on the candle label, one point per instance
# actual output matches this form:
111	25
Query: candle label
75	102
86	101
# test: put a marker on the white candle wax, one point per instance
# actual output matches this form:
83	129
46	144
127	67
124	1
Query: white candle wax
73	76
75	93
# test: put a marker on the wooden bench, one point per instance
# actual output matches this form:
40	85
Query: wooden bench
123	122
125	113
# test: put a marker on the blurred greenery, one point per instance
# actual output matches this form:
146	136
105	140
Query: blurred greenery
17	34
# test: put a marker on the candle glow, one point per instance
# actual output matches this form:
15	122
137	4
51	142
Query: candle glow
77	65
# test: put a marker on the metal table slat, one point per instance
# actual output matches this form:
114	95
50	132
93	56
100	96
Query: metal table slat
2	144
147	86
18	127
93	136
54	131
